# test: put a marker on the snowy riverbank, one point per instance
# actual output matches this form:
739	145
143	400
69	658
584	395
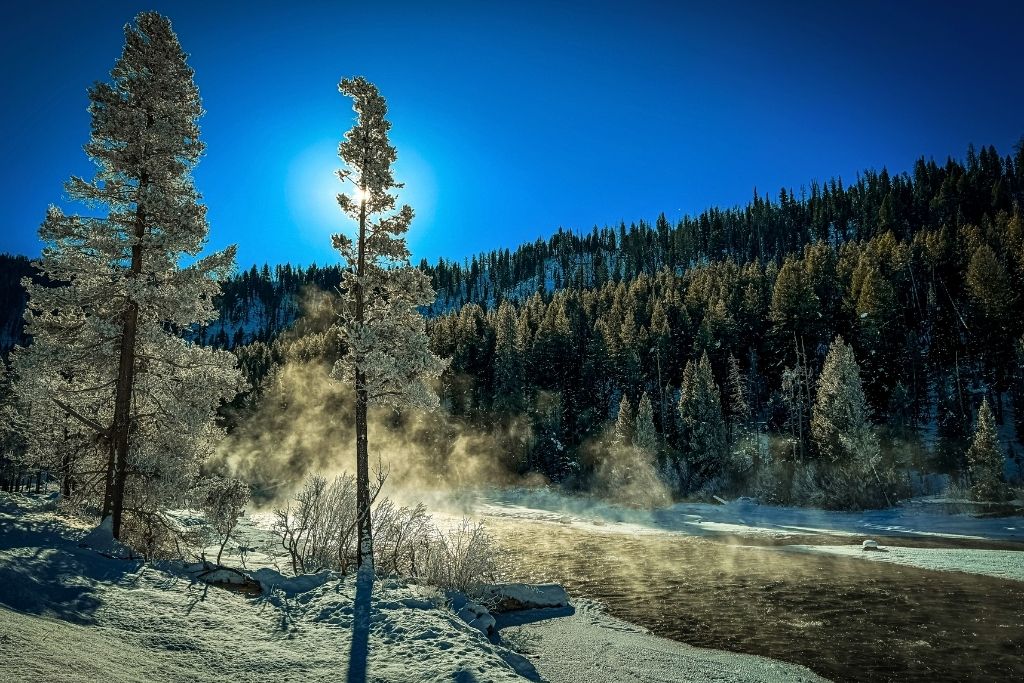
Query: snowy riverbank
582	644
70	614
787	528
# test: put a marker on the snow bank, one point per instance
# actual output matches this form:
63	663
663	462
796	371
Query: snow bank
743	517
70	614
101	539
272	580
473	613
505	597
585	645
1003	564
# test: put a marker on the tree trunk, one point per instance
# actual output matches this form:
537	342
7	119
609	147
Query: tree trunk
364	535
117	474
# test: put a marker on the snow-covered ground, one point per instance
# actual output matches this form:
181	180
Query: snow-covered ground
582	644
70	614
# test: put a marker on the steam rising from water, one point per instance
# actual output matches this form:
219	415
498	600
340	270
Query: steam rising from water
305	424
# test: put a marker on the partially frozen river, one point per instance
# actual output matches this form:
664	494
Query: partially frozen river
788	584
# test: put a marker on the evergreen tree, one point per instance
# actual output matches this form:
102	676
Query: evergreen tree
509	374
107	329
739	406
850	475
644	435
985	459
703	427
840	411
389	359
624	423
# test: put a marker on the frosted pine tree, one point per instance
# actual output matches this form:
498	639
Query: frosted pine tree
840	414
388	358
850	475
108	333
624	423
739	404
645	437
985	459
509	374
700	412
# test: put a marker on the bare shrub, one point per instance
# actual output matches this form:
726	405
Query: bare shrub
462	558
401	537
223	502
318	529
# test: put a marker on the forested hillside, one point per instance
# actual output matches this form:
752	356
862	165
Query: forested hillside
919	273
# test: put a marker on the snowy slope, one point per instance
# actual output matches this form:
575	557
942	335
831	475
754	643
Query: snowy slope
69	614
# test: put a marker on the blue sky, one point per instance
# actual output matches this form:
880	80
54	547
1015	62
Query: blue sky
512	119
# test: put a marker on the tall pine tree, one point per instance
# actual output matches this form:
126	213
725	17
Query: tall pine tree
388	356
644	435
108	346
703	427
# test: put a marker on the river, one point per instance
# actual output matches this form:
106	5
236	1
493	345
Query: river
715	585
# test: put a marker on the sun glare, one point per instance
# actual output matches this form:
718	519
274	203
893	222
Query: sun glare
357	195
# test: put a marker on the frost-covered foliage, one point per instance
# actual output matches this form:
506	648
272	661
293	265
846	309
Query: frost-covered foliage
985	459
380	320
849	472
224	501
462	558
840	414
388	359
318	529
120	404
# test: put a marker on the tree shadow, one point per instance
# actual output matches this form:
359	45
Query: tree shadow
45	573
530	616
360	652
523	666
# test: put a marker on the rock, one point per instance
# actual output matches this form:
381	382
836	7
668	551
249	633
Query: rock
506	597
224	577
473	613
870	545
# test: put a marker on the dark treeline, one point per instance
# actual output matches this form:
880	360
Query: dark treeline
12	300
932	196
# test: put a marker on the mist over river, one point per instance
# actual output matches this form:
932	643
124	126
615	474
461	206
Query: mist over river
741	578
